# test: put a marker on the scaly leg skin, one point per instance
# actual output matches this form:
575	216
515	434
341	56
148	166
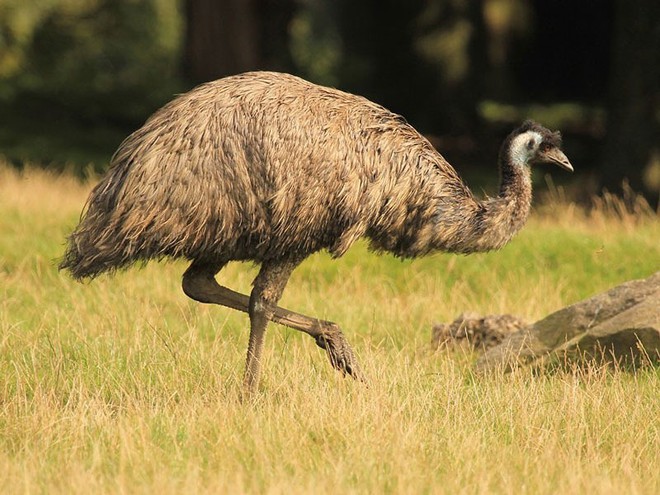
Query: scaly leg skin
258	324
199	284
268	288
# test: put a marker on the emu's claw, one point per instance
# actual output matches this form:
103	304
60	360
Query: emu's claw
339	351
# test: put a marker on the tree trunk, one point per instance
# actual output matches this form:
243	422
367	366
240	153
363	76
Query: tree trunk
632	129
222	38
226	37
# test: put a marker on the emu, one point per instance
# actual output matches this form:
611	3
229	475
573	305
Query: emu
270	168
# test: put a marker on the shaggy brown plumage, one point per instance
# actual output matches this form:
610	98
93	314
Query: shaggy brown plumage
271	168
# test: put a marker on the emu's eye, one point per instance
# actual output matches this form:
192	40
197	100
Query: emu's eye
530	144
545	147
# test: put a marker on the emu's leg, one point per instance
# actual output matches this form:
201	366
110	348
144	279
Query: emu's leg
267	291
199	284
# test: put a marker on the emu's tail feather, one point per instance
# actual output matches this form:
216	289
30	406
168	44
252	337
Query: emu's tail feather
97	244
86	258
82	266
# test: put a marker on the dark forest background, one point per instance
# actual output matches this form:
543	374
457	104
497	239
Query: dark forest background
77	76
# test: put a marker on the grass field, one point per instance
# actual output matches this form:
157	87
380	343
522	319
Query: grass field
124	385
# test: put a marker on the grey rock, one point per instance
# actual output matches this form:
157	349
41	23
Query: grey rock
622	324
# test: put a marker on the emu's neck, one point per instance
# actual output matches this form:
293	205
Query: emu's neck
491	223
499	219
441	214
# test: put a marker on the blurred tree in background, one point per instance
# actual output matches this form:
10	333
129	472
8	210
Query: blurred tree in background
232	36
632	144
104	59
76	76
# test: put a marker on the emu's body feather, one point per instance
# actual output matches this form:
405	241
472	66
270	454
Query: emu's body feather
265	166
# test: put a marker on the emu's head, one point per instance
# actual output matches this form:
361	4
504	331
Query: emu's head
531	144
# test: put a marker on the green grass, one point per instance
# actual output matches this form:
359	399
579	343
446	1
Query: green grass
125	385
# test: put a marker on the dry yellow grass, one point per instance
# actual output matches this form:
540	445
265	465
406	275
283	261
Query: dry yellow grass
124	385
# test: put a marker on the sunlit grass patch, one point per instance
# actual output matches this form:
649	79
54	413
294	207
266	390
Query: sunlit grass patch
125	385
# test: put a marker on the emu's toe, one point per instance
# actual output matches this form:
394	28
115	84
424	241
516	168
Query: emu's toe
339	352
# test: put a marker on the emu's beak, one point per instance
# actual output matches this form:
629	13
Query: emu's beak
556	156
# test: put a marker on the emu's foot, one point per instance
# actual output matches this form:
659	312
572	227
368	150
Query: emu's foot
339	351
